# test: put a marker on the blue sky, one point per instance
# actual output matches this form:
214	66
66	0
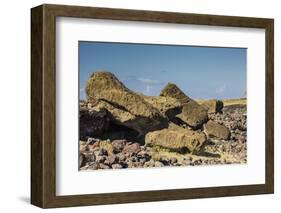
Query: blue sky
201	72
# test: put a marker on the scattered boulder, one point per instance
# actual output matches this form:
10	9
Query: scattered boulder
111	160
118	145
102	152
92	141
127	107
173	160
213	106
128	126
107	147
168	107
150	163
93	123
116	166
121	156
172	90
100	81
176	139
120	115
100	159
159	164
215	130
82	160
132	149
88	156
193	114
82	146
105	86
143	157
103	166
92	144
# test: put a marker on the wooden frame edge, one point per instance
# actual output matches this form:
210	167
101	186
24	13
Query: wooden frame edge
43	174
156	196
269	118
36	106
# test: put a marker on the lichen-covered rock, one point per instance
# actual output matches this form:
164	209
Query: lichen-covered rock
172	90
141	124
193	114
128	101
118	114
168	107
176	139
215	130
107	146
105	86
213	106
128	108
103	80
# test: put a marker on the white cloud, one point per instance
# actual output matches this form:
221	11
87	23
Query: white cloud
148	81
221	89
147	90
148	86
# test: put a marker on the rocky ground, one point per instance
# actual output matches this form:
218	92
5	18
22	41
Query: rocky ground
123	129
118	154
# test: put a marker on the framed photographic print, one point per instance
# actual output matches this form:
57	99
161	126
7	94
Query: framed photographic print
137	106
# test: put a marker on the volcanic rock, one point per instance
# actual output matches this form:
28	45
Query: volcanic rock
107	146
168	107
128	108
118	145
159	164
172	90
116	166
192	113
104	166
89	156
176	139
93	123
213	106
132	149
82	160
215	130
111	160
